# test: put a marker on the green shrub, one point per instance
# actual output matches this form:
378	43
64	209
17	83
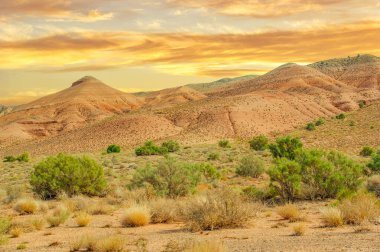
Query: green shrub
366	151
149	148
374	165
328	174
286	147
373	185
72	175
253	193
208	171
352	123
169	178
285	178
224	144
259	143
171	146
341	116
320	122
310	127
113	148
250	166
361	104
213	156
5	225
21	158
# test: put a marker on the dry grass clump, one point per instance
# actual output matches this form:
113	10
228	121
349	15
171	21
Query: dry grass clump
99	244
59	216
38	223
373	185
16	232
77	203
163	211
289	212
136	216
101	208
83	219
207	246
299	229
360	208
26	206
222	208
331	217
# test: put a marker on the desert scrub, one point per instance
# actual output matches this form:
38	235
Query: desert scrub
149	148
367	151
373	185
207	246
250	166
113	148
213	156
58	217
169	178
286	147
222	208
24	157
331	217
259	143
72	175
5	225
340	116
224	144
289	212
374	165
26	206
299	229
38	223
171	146
136	216
163	210
83	219
114	243
310	127
359	208
320	122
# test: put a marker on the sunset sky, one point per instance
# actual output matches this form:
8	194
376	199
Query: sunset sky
136	45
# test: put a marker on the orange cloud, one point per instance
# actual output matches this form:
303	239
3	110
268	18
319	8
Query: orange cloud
192	54
259	8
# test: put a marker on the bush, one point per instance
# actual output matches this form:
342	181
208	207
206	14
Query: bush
22	158
360	208
373	185
213	156
250	166
361	104
169	178
286	147
5	225
113	149
208	171
26	206
366	151
259	143
289	212
285	179
331	217
59	216
299	229
374	165
136	216
171	146
83	219
329	174
149	149
218	209
310	127
341	116
320	122
72	175
224	144
163	210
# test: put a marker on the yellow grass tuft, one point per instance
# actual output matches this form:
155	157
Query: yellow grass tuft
83	219
99	244
136	216
289	212
331	217
59	216
26	206
163	210
299	229
16	232
38	223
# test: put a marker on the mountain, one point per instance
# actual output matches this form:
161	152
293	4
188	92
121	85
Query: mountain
87	100
206	87
362	71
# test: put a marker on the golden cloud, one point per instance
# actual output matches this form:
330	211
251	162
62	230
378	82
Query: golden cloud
258	8
193	54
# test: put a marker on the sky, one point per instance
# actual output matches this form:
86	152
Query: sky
140	45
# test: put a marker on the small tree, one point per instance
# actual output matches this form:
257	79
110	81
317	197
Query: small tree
286	147
285	178
72	175
250	166
259	143
113	148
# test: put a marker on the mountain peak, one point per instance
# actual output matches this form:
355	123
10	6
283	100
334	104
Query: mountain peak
84	79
